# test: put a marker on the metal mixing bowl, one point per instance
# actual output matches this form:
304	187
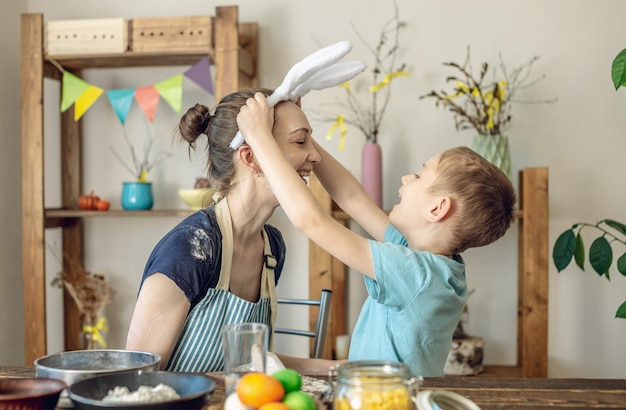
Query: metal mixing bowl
76	365
194	390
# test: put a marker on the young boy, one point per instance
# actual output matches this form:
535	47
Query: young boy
414	274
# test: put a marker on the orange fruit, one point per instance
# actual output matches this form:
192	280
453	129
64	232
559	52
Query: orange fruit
256	389
290	379
276	405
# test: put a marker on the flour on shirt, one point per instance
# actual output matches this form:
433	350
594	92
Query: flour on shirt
198	244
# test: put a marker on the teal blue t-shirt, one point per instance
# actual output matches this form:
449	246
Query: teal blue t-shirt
412	307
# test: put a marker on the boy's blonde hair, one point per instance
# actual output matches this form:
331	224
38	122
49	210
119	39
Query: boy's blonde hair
483	198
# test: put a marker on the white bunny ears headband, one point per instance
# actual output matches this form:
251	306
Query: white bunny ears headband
315	72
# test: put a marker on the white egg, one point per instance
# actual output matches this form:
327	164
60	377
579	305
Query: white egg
232	402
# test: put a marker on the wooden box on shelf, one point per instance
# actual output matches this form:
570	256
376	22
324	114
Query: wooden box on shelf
91	36
166	33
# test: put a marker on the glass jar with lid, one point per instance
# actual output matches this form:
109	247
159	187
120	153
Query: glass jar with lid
374	385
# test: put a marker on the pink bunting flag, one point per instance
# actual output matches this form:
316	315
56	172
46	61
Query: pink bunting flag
200	73
148	99
171	90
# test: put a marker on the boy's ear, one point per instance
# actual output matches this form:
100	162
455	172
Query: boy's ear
440	208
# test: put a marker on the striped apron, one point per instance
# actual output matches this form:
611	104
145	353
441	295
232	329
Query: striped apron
199	348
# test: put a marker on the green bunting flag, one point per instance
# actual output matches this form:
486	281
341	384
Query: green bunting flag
171	90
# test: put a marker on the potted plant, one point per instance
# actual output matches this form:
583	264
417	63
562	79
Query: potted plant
571	244
137	193
483	102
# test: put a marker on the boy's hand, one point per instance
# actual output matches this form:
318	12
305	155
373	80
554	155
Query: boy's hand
256	119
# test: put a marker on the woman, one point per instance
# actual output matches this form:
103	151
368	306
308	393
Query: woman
221	264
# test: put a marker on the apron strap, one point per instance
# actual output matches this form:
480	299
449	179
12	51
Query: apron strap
268	282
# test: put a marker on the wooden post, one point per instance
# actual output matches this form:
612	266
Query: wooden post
226	51
72	235
33	249
533	273
327	272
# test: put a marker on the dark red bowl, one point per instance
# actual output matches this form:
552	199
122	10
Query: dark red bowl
30	393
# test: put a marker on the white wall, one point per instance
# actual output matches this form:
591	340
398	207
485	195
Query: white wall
11	297
580	139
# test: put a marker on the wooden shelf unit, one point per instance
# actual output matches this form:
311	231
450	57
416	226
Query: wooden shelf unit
234	55
532	307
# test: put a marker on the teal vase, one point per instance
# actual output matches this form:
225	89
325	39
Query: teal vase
137	196
495	149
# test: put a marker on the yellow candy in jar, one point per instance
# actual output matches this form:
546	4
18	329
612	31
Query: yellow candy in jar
374	385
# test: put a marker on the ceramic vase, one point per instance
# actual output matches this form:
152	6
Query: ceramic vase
371	172
137	196
495	149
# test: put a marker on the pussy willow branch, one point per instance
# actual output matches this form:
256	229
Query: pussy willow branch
367	117
474	110
145	164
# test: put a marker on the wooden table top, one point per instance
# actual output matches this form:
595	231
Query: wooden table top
487	393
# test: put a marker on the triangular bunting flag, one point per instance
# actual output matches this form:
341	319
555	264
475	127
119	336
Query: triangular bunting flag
121	100
200	73
171	90
148	99
72	88
86	100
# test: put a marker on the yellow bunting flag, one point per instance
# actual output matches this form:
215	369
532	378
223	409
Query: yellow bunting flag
171	90
342	132
86	100
94	331
387	80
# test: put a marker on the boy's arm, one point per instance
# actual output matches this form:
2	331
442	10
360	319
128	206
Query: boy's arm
349	194
255	122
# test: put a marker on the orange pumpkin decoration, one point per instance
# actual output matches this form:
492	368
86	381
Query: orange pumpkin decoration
102	204
88	202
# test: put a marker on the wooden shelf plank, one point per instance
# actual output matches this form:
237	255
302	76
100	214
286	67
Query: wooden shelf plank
79	213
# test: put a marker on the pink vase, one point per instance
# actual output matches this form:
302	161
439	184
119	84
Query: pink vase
371	172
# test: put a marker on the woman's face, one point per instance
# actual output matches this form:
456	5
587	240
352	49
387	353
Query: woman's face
293	135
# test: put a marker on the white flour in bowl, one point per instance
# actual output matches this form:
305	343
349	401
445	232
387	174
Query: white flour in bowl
144	394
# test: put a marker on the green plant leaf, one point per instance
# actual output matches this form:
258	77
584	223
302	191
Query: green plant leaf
579	253
618	226
621	264
601	256
618	69
621	311
563	250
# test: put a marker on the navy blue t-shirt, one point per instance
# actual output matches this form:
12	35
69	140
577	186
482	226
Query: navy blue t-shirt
191	254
